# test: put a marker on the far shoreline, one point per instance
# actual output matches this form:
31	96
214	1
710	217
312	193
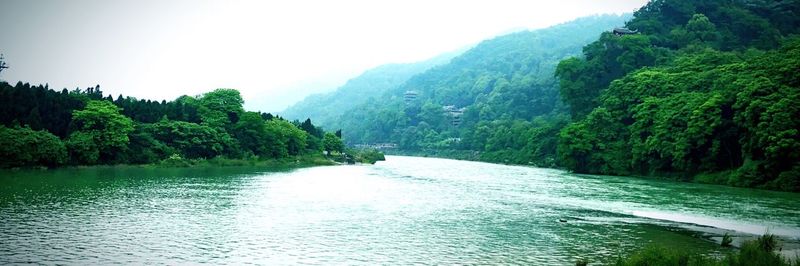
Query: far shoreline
287	163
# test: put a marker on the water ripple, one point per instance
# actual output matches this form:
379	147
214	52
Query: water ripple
406	210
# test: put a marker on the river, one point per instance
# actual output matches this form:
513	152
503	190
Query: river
406	210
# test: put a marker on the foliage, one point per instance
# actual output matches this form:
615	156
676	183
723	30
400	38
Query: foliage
726	240
82	148
370	156
506	86
331	143
691	96
40	107
327	108
143	148
23	146
189	139
662	256
103	129
757	252
178	133
702	113
221	107
286	138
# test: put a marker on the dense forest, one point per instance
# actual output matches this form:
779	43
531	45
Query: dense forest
701	91
707	91
44	127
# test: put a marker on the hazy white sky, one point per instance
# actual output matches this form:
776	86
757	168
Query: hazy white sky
274	52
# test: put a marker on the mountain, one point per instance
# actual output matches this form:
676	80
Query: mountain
705	91
325	108
504	86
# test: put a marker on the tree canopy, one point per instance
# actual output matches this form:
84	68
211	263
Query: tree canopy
708	92
89	128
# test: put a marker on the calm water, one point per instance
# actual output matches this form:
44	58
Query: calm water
403	211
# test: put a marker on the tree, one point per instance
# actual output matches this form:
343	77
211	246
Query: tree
2	63
309	127
251	131
102	131
221	108
190	139
82	148
285	138
102	124
22	146
701	29
145	148
332	143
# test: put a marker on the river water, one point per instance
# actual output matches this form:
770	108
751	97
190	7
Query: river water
405	210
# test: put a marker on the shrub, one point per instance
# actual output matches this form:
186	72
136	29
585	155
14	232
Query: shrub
22	146
758	252
726	240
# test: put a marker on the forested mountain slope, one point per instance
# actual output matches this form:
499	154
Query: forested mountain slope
502	85
707	91
326	108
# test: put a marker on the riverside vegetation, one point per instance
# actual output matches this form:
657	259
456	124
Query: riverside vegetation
46	128
704	91
757	252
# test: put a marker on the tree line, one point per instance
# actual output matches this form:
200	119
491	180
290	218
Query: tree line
44	127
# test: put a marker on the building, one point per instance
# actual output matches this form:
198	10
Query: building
454	114
410	96
623	31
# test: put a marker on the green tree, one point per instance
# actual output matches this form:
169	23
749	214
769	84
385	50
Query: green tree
83	148
190	139
332	143
22	146
144	148
100	123
221	108
596	144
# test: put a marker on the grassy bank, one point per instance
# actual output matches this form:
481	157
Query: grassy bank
762	251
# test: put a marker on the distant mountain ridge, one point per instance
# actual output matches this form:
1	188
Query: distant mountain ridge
501	80
325	108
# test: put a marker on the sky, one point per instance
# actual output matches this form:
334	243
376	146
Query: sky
274	52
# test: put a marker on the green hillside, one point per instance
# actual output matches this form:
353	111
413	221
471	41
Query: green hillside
505	86
326	108
708	91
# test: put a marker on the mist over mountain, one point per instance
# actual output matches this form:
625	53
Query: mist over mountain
325	108
500	80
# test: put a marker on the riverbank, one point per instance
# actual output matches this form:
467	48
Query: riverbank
500	157
763	250
177	162
508	158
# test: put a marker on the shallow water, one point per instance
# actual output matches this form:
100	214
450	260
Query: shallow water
405	210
